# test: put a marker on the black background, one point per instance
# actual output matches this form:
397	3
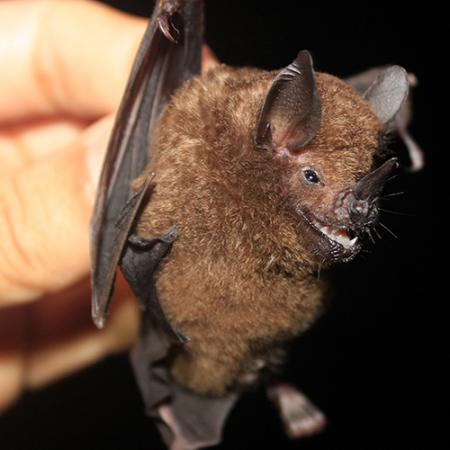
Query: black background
375	362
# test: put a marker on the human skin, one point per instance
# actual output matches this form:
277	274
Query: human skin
64	68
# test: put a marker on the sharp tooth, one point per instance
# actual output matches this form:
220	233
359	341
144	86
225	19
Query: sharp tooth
338	236
344	241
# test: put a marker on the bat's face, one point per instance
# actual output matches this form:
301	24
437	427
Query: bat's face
337	207
331	182
324	136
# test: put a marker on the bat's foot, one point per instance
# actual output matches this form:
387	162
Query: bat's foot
300	417
194	421
180	441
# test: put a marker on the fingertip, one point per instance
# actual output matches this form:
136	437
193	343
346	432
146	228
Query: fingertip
209	59
11	380
122	328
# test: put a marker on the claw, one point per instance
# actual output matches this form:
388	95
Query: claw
168	28
166	22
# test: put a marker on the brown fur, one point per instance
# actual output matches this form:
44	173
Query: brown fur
239	280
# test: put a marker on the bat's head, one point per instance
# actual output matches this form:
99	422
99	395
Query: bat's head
285	166
325	137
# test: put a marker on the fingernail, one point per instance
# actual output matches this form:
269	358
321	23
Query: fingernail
95	142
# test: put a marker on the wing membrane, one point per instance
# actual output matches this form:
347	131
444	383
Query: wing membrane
169	54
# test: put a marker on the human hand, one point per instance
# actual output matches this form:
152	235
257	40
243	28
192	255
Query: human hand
64	68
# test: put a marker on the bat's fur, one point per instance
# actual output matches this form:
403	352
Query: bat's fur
239	280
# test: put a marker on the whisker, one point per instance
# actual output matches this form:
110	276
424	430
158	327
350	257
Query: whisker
370	235
319	268
388	230
378	234
393	194
397	213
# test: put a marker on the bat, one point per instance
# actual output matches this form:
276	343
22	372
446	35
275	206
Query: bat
220	199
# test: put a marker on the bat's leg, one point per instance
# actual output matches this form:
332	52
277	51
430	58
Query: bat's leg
179	442
300	417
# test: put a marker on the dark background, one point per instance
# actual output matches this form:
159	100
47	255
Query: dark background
375	362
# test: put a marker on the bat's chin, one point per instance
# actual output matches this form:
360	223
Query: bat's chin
332	242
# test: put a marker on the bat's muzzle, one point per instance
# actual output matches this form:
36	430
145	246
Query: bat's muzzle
362	201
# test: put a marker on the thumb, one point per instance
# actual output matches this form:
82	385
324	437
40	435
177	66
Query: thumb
44	218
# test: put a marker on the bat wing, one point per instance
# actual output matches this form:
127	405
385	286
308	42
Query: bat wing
169	54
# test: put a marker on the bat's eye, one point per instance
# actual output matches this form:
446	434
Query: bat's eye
311	176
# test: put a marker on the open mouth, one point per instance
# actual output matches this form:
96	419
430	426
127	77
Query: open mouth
338	235
336	242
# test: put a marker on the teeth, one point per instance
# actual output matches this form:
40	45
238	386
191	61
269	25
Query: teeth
339	236
342	240
326	230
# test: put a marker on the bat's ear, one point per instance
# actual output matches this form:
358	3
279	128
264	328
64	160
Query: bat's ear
388	92
291	111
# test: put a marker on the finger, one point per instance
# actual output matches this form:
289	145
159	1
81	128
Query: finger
12	354
209	59
44	219
64	57
65	339
44	341
28	142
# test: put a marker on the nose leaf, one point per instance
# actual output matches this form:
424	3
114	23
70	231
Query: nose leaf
371	185
361	200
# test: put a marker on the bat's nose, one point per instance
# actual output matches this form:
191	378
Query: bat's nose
362	199
359	211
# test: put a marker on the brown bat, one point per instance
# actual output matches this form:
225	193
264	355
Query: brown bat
221	197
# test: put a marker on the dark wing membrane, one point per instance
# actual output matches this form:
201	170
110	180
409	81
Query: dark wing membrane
170	53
